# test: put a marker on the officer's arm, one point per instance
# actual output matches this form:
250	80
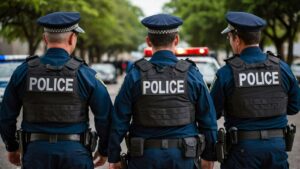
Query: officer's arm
101	106
10	110
291	86
121	119
217	96
205	117
100	103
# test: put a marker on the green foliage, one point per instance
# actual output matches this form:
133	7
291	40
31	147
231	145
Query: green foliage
110	25
203	21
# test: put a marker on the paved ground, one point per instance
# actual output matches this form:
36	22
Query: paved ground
294	156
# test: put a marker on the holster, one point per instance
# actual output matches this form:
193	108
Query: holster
136	146
23	140
124	161
221	148
290	132
90	140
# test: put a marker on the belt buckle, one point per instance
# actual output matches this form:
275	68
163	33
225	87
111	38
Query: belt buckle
264	134
164	143
53	138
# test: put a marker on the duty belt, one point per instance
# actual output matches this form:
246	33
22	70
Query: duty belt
163	143
52	138
261	134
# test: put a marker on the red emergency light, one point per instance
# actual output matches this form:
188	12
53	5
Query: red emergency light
195	51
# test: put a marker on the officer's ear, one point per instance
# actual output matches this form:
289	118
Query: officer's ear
45	39
72	38
149	43
176	40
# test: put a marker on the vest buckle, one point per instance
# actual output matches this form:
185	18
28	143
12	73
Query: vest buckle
164	143
53	138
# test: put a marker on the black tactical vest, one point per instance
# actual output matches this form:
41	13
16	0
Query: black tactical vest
258	89
52	93
164	100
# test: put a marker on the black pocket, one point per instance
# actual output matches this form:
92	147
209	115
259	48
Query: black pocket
136	147
190	147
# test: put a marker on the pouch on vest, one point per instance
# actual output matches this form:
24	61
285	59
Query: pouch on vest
136	148
189	147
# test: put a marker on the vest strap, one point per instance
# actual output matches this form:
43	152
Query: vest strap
73	64
182	65
33	61
143	64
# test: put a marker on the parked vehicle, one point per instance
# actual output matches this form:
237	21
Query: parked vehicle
107	72
296	69
8	64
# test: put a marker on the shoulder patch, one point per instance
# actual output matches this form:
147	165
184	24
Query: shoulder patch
98	77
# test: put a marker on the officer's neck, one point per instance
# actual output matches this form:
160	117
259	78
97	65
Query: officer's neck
169	48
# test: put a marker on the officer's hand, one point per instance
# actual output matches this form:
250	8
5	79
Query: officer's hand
207	164
14	158
114	165
99	160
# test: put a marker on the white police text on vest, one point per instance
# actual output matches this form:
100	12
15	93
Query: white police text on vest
51	84
163	87
265	78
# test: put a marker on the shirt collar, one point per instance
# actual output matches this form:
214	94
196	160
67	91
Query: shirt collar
57	53
163	56
252	55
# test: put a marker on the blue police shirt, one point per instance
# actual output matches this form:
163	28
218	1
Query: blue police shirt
224	86
90	89
131	90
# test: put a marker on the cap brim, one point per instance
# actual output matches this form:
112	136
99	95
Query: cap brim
79	30
228	29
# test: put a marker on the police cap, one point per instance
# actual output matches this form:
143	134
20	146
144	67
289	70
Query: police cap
243	21
162	23
58	22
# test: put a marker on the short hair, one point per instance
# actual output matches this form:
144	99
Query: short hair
160	40
249	38
57	37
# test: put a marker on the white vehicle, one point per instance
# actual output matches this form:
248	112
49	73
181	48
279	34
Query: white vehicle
8	64
207	65
107	72
296	69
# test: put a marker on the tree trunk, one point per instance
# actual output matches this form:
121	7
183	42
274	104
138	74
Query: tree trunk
280	50
290	55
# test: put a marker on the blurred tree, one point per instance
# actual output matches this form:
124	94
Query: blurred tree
110	25
283	19
203	21
18	18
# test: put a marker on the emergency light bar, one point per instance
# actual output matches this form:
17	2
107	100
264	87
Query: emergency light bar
195	51
12	57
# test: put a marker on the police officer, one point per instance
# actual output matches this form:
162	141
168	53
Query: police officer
255	92
169	104
55	92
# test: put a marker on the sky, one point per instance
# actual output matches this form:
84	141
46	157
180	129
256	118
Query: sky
150	7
